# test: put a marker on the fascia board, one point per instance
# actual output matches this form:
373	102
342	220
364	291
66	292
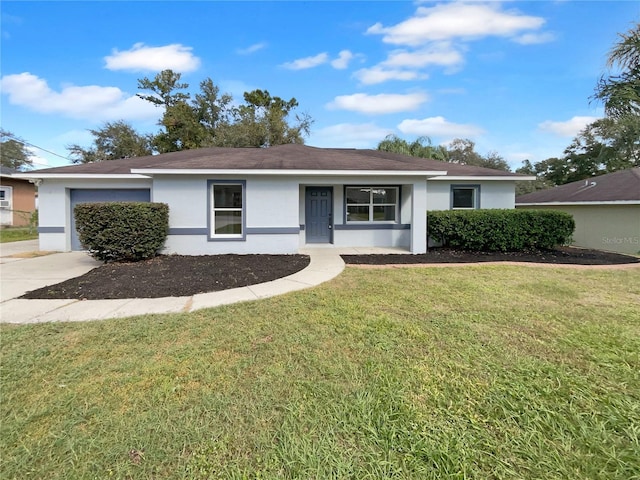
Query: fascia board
561	204
319	173
93	176
482	177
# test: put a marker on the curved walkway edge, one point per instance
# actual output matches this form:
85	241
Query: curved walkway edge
324	265
23	273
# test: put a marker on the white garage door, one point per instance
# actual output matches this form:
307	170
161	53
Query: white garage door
86	195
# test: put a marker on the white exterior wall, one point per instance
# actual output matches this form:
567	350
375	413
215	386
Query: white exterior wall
493	193
271	206
54	207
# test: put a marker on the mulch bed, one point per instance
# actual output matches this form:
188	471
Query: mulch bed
561	255
183	275
173	276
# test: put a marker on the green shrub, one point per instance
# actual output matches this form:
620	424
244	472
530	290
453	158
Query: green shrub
122	231
500	230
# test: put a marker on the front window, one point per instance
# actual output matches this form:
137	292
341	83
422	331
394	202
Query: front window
227	210
371	204
465	197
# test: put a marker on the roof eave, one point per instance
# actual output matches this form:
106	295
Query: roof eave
587	203
288	172
485	177
94	176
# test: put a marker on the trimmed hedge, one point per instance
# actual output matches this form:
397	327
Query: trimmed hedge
500	230
122	231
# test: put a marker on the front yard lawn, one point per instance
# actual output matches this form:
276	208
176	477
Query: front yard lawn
418	373
16	234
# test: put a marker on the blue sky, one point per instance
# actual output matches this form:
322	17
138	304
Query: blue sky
514	77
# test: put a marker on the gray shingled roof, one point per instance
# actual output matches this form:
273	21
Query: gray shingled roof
7	171
623	185
280	157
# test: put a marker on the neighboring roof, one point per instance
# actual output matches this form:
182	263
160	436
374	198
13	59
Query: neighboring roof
620	186
6	171
291	157
12	173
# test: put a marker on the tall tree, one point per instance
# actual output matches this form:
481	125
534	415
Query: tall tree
620	93
210	119
112	141
540	183
420	147
264	121
463	151
182	129
165	89
13	151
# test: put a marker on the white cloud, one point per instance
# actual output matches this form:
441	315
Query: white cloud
251	49
535	38
443	55
456	20
378	104
349	135
375	75
342	62
144	58
569	128
438	127
307	62
90	102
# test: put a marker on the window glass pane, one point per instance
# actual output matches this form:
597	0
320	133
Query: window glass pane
227	196
357	213
386	213
463	198
358	195
384	195
2	194
228	223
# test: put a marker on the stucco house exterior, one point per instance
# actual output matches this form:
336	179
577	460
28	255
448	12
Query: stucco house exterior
606	209
17	199
274	200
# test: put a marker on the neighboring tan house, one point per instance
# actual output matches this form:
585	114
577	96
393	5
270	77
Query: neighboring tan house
274	200
17	199
606	209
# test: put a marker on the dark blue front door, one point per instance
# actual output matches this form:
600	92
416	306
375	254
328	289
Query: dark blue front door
318	214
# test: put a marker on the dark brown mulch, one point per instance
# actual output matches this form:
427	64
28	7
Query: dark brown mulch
561	255
173	276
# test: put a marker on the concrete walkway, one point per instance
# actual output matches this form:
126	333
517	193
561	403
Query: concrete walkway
19	275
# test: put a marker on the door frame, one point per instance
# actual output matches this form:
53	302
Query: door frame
328	188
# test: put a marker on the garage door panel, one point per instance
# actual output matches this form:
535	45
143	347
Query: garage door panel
93	195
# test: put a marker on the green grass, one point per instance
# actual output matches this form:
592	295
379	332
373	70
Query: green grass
475	372
16	234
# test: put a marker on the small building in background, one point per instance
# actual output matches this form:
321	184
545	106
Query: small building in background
606	209
17	199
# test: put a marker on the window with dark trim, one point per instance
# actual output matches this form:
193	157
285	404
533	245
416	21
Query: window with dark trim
227	218
465	197
371	204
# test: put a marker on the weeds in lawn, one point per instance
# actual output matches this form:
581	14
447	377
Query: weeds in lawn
481	372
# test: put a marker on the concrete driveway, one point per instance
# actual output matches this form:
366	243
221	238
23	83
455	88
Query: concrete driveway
22	269
19	275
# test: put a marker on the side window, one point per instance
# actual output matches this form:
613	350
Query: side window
465	197
227	210
5	197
